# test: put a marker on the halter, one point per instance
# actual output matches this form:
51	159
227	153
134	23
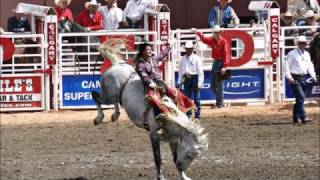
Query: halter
124	85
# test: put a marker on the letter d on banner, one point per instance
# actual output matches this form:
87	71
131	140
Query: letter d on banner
248	46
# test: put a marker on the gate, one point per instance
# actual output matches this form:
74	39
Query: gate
24	85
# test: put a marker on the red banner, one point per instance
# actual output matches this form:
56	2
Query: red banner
20	92
274	36
52	43
164	29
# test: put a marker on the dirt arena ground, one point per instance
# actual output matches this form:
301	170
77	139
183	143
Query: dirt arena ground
246	142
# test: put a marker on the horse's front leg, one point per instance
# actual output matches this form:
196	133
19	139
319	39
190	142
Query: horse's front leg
173	147
116	114
97	100
155	142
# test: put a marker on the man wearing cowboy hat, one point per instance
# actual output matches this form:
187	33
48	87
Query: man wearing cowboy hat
222	14
311	20
287	20
18	22
63	12
112	15
296	66
221	53
90	17
191	76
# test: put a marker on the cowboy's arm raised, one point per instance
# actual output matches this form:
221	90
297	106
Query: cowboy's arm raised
162	55
206	40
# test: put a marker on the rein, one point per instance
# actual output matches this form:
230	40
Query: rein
124	85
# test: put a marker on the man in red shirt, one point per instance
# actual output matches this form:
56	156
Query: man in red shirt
63	12
221	53
90	17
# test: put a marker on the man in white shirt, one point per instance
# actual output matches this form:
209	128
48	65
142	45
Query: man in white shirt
297	65
134	11
112	15
191	76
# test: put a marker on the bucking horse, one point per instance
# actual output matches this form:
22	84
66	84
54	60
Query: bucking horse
120	84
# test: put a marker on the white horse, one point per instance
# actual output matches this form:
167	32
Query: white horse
121	84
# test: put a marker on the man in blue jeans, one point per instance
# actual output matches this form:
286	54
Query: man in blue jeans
192	77
297	65
221	53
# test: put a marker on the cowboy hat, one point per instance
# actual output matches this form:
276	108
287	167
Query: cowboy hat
58	1
302	39
287	14
310	14
18	9
217	28
90	3
188	45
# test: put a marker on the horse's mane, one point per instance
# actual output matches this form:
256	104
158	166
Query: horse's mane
111	49
195	129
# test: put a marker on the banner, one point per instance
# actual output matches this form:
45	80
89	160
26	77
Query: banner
76	90
21	92
312	90
243	84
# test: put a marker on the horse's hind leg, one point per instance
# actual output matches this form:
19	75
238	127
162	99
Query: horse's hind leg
155	142
97	100
116	114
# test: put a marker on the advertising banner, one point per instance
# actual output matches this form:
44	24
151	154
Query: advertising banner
76	90
23	92
243	84
312	91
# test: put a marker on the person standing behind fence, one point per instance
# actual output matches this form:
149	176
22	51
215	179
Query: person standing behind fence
134	11
222	14
287	20
90	17
191	76
311	20
63	12
18	23
112	15
296	66
221	53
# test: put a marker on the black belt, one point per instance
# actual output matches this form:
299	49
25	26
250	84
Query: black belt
298	76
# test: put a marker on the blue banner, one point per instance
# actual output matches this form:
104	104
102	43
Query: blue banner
312	91
76	90
243	84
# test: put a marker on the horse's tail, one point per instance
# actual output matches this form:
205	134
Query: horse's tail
111	49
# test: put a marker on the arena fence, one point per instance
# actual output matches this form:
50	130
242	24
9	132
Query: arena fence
25	79
24	83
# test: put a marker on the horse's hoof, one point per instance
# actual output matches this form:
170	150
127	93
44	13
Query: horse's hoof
115	117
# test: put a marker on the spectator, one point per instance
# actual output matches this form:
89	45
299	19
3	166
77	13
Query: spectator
221	55
134	11
191	76
300	7
297	65
223	14
18	22
90	17
112	15
311	21
287	20
63	12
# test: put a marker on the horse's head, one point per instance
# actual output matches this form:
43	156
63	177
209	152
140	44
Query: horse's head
189	147
186	153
